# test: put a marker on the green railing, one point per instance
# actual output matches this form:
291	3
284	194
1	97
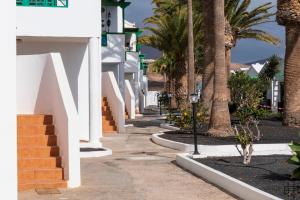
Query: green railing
43	3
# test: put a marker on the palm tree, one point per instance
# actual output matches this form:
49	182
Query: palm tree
241	23
220	119
191	56
168	33
208	40
288	15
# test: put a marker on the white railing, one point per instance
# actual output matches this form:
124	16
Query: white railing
129	100
110	89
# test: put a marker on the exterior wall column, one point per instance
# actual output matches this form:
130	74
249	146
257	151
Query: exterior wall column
95	124
122	80
136	92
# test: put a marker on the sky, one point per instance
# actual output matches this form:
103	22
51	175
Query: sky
247	50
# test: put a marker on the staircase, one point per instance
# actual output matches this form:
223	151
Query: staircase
126	114
39	163
108	123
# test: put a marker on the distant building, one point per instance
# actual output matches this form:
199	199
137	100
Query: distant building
274	94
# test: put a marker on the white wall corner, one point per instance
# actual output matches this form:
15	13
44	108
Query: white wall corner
129	100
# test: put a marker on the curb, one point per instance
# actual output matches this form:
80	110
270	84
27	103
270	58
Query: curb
169	127
223	150
226	182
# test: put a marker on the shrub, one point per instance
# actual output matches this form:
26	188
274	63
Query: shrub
245	91
295	159
246	95
185	119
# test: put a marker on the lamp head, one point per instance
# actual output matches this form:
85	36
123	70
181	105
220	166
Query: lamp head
194	98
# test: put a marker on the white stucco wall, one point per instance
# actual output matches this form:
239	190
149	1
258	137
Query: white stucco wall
114	52
8	143
75	59
43	81
81	19
110	89
116	19
132	63
129	100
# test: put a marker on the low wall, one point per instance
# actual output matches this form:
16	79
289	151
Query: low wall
110	89
43	81
129	100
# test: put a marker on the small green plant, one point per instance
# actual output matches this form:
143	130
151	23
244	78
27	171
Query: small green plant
246	141
295	159
185	120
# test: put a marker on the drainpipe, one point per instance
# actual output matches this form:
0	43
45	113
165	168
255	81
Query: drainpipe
95	125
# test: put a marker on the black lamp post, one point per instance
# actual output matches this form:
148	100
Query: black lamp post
194	100
169	101
159	103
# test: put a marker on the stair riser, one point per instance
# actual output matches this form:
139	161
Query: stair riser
38	152
35	130
34	120
109	130
27	164
54	185
25	176
37	141
108	123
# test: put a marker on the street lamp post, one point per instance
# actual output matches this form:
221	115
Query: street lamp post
169	104
194	100
159	101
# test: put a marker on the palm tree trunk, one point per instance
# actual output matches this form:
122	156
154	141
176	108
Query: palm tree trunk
220	119
292	77
208	73
191	62
228	64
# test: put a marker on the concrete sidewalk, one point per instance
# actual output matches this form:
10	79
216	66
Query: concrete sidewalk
138	170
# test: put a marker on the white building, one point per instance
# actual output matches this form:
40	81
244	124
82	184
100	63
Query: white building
72	60
58	74
122	68
274	94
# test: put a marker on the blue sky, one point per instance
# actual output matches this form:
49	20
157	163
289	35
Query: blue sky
245	51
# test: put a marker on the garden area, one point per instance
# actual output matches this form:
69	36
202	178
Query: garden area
232	132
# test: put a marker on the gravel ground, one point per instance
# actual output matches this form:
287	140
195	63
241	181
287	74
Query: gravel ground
268	173
273	132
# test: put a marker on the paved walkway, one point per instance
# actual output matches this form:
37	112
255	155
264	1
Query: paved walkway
138	170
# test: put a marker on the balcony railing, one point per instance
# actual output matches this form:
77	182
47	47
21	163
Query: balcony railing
43	3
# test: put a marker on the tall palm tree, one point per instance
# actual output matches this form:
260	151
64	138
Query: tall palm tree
220	119
208	40
241	23
168	33
191	56
288	15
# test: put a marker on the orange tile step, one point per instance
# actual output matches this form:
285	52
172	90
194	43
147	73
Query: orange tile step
108	123
35	129
39	163
109	129
38	140
38	152
40	174
42	184
34	120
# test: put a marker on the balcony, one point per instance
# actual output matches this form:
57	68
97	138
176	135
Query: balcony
43	3
113	47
